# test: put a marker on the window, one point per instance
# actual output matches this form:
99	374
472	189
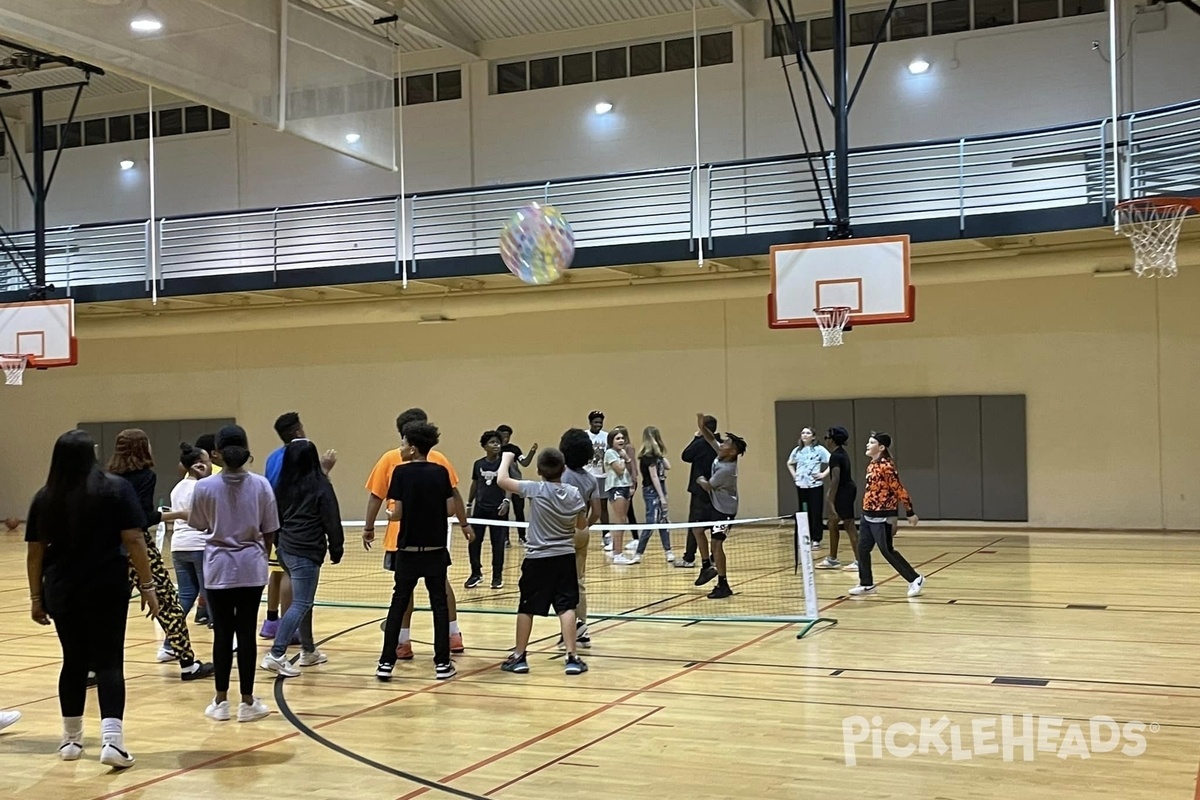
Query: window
576	68
418	89
716	48
95	131
511	78
611	64
1035	10
909	22
543	73
821	33
993	13
864	26
645	59
195	119
680	54
141	125
119	129
71	134
449	85
220	120
782	41
951	16
170	122
1073	8
49	137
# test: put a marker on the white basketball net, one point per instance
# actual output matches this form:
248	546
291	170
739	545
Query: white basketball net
1153	228
14	369
832	320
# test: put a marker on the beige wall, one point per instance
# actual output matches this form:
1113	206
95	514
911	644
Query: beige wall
1087	352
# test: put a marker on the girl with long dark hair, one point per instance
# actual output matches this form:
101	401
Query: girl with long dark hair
83	530
310	526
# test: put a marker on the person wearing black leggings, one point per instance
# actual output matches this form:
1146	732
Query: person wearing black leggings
806	464
84	528
238	510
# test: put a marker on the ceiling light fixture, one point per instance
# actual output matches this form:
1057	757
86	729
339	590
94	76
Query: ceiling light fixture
918	66
145	20
352	138
126	164
603	107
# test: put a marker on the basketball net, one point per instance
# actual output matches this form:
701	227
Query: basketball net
1153	226
832	321
14	369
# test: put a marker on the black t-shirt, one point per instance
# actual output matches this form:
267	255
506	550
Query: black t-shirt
422	489
839	459
83	538
488	494
514	471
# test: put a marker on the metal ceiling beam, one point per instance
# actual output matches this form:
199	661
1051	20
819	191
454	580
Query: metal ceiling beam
743	9
448	33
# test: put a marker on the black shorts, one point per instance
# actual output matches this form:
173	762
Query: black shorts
546	582
701	507
719	532
843	503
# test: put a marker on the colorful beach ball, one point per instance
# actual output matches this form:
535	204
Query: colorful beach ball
537	244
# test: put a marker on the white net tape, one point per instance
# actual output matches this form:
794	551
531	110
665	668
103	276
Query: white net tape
14	369
832	321
1153	228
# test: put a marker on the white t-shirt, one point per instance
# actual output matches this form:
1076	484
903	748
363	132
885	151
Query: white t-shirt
185	537
595	467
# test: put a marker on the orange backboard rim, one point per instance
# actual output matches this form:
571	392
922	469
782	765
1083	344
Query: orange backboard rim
910	300
1163	202
32	362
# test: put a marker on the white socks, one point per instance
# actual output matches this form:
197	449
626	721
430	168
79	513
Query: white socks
111	725
454	627
72	739
405	635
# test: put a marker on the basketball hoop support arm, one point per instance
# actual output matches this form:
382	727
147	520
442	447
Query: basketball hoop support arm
841	122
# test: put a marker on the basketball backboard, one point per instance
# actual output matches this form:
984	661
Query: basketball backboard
42	330
868	276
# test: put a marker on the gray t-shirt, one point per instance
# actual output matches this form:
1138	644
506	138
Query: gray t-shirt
553	508
585	483
724	486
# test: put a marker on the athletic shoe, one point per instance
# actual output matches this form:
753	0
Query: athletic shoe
404	651
515	663
632	544
444	671
251	712
916	586
313	659
279	665
202	617
670	557
575	666
607	537
720	591
165	655
473	581
497	583
859	591
113	753
706	575
72	746
218	711
91	679
627	558
269	628
8	718
851	567
383	672
456	643
829	563
816	545
683	563
197	672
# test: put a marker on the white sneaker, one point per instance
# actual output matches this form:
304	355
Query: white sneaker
249	712
627	558
670	557
72	747
166	654
313	659
8	718
631	545
218	711
916	586
279	665
113	753
829	563
851	567
859	591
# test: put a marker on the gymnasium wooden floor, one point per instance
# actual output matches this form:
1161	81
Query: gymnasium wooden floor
1093	624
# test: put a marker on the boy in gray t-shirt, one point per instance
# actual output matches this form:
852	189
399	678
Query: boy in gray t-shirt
721	486
548	575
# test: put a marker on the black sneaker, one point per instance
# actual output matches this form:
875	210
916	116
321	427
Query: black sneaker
444	671
497	583
202	619
720	590
473	581
575	666
199	671
516	663
383	672
706	575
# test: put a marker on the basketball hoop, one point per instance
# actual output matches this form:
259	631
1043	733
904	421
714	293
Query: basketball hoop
832	321
14	368
1153	225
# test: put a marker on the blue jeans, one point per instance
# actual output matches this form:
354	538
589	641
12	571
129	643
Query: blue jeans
655	514
189	577
304	573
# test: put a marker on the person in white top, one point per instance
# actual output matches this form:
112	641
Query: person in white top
596	468
187	543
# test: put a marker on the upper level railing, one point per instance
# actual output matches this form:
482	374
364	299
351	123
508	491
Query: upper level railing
956	179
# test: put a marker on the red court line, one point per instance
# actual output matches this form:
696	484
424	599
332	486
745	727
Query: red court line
579	749
26	669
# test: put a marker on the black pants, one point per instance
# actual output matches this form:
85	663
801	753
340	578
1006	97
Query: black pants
871	534
497	535
518	506
699	510
235	611
410	568
90	624
812	502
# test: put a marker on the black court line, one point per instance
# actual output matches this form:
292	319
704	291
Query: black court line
1020	682
299	725
1087	606
836	672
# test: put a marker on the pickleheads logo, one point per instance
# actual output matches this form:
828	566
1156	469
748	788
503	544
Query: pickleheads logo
1010	737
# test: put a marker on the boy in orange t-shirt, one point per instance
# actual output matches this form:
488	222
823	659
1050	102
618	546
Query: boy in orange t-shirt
377	487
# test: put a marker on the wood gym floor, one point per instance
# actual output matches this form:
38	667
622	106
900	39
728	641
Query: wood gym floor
1062	625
